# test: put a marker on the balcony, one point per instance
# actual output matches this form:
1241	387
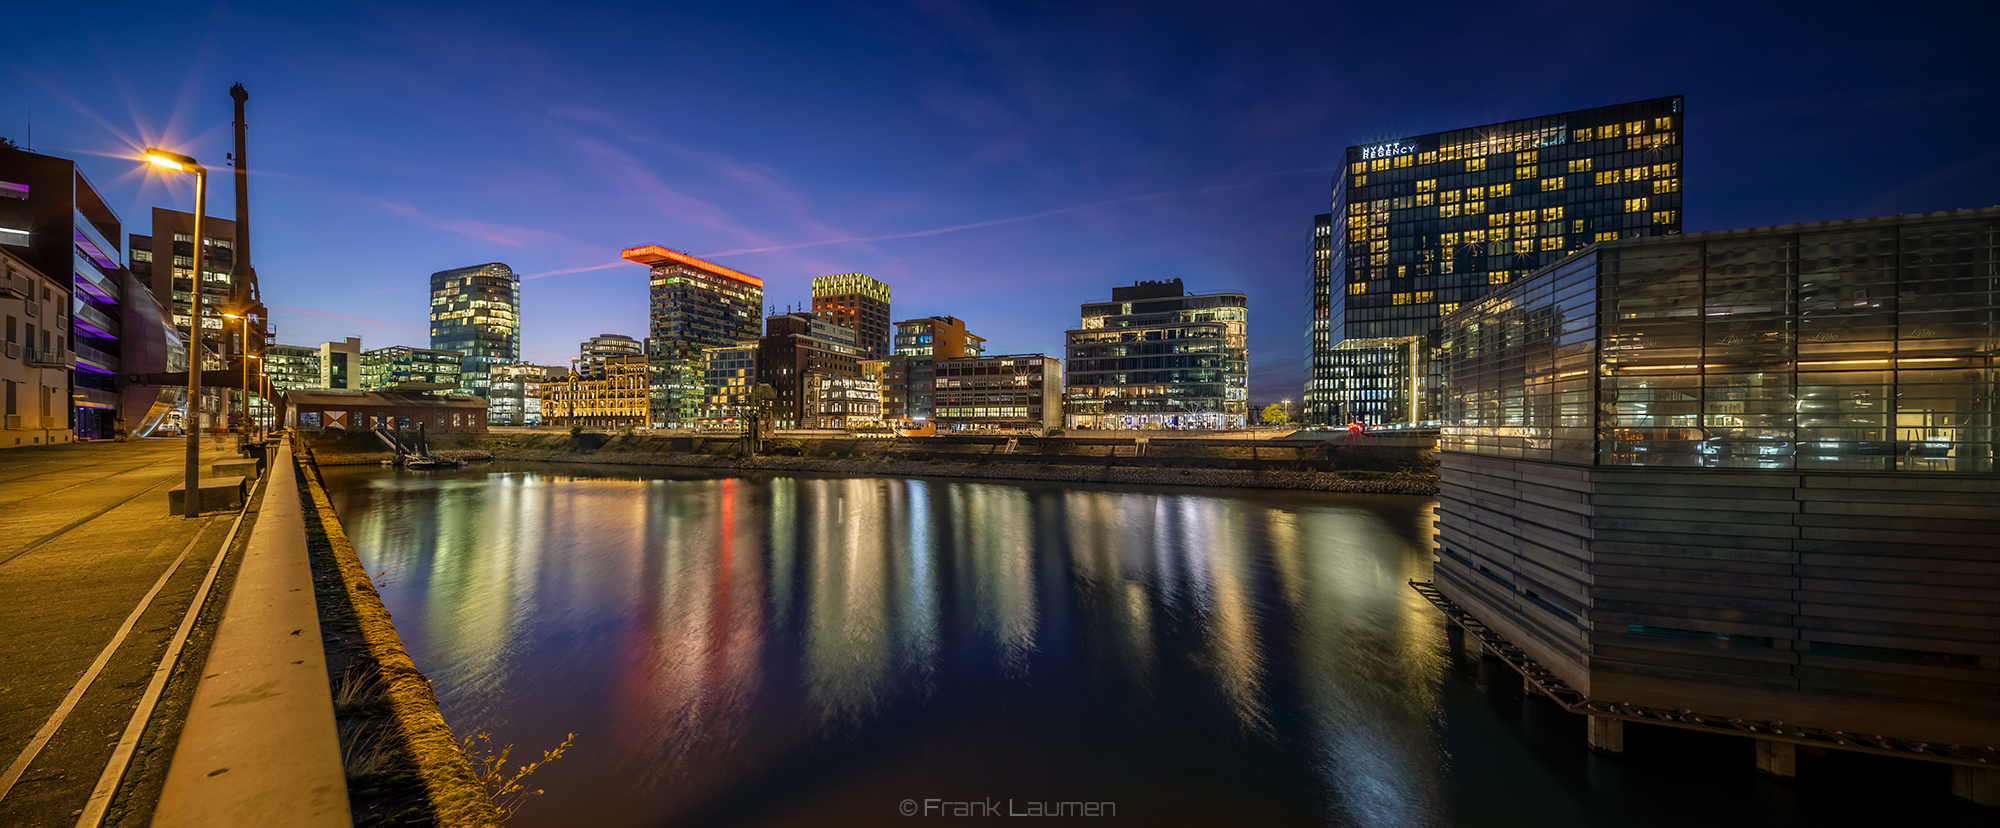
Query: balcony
15	285
49	358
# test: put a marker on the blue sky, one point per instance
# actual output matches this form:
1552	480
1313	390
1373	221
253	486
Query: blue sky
1002	162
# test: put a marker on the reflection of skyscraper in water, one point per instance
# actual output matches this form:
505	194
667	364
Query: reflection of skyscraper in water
848	637
990	537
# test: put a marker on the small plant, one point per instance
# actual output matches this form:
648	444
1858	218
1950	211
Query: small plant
364	751
357	688
509	793
575	429
381	580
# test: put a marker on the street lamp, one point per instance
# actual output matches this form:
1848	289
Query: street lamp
173	161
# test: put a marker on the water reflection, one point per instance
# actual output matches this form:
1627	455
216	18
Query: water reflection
792	650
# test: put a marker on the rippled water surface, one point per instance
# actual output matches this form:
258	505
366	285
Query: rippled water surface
778	651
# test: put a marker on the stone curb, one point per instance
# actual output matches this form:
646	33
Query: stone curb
457	798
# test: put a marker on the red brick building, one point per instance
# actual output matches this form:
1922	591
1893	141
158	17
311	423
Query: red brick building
322	408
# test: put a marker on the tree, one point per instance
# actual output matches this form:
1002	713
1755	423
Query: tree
1274	414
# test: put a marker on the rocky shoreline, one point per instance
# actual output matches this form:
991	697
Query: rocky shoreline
1313	481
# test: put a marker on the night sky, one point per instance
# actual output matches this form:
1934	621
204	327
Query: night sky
1001	163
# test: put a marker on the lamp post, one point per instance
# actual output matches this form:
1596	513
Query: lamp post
191	493
244	436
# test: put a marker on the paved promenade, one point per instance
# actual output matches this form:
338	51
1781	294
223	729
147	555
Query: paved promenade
95	580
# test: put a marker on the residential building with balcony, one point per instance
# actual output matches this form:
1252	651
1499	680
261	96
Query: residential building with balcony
694	305
34	364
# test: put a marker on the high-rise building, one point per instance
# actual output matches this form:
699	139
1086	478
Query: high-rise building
695	305
858	302
1156	356
797	350
592	353
340	364
729	375
292	366
53	219
919	344
173	284
476	311
403	368
1423	224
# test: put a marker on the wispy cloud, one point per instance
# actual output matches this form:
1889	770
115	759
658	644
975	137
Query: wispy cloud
310	312
1251	182
568	270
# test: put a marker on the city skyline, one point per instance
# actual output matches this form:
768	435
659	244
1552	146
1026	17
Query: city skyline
952	155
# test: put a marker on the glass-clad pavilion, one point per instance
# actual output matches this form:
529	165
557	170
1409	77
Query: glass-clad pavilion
1865	345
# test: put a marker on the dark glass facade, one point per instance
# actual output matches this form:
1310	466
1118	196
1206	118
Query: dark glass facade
476	311
1843	346
1155	357
1421	225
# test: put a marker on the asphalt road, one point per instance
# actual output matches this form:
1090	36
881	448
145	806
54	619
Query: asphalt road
85	535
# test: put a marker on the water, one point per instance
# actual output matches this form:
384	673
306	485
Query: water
780	651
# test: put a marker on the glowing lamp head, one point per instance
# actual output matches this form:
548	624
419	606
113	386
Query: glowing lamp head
172	161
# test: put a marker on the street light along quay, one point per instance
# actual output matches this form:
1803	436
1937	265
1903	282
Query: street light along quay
191	486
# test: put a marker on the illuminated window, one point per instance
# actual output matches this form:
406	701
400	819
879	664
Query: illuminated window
1476	192
1635	127
1446	308
1448	239
1552	243
1359	167
1404	160
1610	131
1357	288
1475	164
1427	157
1635	205
1528	157
1584	134
1499	190
1666	216
1499	233
1665	122
1580	165
1425	297
1378	247
1475	207
1475	235
1427	185
1378	232
1357	234
1361	181
1496	278
1555	183
1447	211
1524	172
1401	299
1524	246
1640	142
1425	199
1577	227
1604	237
1452	196
1402	271
1666	185
1378	260
1552	213
1378	165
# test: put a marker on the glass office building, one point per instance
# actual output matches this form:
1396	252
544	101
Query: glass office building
476	311
1421	225
1864	345
403	368
695	305
1157	357
292	366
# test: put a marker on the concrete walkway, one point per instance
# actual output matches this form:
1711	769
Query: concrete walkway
85	538
259	747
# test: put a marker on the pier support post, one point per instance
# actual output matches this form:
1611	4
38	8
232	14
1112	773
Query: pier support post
1605	734
1528	687
1779	759
1979	786
1454	636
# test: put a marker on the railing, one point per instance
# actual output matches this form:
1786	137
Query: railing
50	358
96	317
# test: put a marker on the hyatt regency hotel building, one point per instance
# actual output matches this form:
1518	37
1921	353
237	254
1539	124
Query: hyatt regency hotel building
1422	225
